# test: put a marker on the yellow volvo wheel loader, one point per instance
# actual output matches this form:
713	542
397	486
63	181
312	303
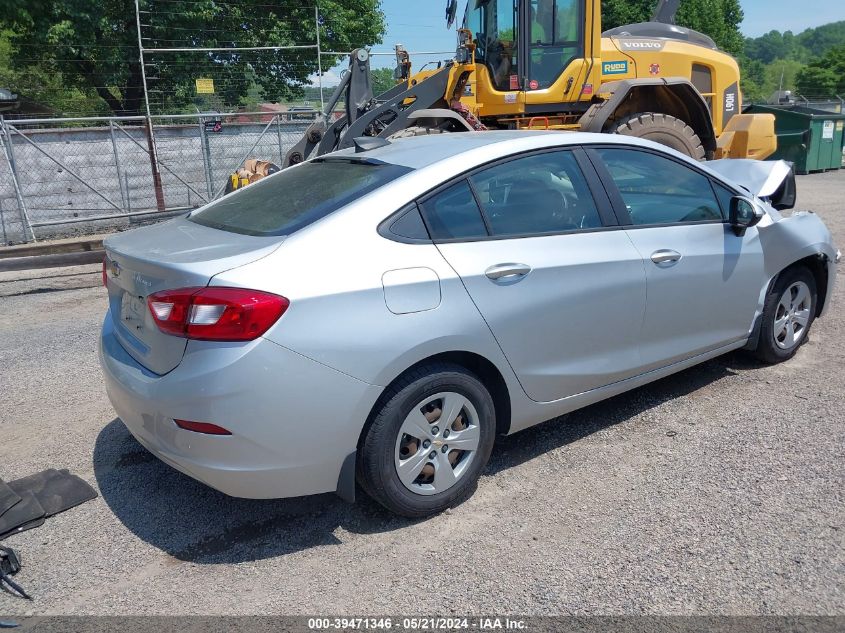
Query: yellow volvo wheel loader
529	64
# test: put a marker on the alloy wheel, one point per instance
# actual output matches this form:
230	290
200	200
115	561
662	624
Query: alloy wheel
792	315
437	442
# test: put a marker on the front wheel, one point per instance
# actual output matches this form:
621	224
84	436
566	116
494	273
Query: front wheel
664	129
429	441
788	313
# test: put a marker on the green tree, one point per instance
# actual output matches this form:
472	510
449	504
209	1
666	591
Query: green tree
781	74
753	73
825	76
817	82
775	45
821	39
720	19
619	12
93	43
44	84
383	80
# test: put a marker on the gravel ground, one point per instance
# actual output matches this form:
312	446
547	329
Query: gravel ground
715	491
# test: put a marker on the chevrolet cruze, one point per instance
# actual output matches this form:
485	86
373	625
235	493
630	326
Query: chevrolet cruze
380	315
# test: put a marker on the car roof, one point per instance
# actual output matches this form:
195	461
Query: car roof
421	151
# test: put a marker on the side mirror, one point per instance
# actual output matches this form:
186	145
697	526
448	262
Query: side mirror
786	194
451	11
744	214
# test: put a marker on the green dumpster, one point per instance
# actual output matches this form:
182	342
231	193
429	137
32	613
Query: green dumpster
812	139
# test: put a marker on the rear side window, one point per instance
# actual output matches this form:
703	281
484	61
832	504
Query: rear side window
658	190
543	193
453	213
296	197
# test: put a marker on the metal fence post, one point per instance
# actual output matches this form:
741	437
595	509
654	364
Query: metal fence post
319	55
9	152
117	168
206	160
159	192
279	135
128	193
151	148
3	223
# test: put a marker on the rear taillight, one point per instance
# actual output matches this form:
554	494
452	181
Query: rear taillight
216	314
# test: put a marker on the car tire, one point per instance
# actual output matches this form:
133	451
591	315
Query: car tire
408	434
664	129
788	314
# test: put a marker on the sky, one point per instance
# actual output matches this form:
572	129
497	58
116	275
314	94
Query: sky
420	25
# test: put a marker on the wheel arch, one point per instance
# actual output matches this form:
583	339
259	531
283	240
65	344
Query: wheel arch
674	96
483	368
817	264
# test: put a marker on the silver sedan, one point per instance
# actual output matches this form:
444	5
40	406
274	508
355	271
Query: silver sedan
380	315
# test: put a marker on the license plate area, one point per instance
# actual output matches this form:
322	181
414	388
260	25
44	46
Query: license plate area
133	311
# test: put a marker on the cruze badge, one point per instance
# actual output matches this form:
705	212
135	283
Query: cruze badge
140	281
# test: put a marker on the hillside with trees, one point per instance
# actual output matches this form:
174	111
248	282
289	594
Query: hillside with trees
811	63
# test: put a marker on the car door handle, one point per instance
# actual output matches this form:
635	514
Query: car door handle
507	272
665	257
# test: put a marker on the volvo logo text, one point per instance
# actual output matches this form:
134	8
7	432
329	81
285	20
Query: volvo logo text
642	46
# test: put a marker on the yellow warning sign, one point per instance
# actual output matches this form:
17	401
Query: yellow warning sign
205	86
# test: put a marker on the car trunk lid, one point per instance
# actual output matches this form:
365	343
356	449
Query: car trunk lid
176	254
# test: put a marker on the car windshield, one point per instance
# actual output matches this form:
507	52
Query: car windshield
292	199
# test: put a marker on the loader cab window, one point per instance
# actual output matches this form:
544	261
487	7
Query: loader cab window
493	24
556	37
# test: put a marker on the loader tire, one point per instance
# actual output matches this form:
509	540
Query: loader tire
664	129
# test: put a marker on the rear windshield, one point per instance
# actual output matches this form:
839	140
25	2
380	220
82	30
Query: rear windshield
297	197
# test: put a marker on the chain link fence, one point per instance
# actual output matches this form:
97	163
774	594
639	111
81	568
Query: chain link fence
63	177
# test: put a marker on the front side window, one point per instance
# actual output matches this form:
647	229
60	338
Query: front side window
658	190
296	197
543	193
725	196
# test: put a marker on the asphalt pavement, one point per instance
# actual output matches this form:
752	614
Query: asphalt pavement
715	491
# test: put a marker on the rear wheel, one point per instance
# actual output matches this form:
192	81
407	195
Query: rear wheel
788	313
664	129
429	441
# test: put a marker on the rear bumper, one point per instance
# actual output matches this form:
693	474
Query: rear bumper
293	420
